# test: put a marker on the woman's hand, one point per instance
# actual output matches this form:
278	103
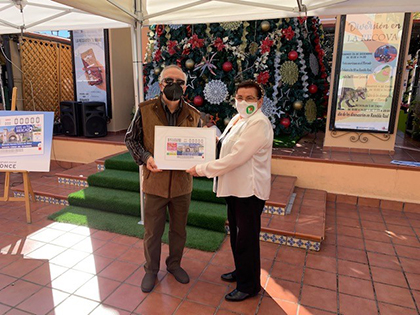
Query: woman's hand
192	171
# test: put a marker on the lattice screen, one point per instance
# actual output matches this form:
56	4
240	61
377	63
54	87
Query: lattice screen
47	79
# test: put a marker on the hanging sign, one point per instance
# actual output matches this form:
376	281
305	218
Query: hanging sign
368	68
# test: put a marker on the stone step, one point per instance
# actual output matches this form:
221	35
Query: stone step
282	188
304	227
77	176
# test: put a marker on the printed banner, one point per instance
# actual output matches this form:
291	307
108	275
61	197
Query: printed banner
369	61
25	140
90	65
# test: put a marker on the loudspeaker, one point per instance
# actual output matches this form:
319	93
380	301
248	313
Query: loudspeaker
70	118
94	119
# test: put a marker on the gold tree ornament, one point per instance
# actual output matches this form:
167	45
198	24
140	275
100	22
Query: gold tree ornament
310	111
231	26
265	26
157	70
189	64
289	72
297	105
253	48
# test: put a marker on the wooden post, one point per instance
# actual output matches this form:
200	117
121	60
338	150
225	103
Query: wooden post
27	187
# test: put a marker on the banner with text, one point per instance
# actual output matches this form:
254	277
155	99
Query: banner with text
25	141
369	61
90	65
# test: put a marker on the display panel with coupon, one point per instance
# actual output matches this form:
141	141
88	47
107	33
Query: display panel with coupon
180	148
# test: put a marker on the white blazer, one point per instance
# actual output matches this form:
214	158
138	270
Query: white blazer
244	166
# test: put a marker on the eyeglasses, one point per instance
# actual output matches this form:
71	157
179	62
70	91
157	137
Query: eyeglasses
171	81
247	99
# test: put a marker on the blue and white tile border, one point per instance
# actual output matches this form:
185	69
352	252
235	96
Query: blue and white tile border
73	181
46	199
274	210
287	240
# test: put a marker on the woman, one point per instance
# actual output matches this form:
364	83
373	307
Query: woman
243	176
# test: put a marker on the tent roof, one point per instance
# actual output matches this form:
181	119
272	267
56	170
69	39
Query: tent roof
205	11
44	15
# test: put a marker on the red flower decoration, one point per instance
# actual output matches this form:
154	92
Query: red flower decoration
158	55
288	33
196	42
171	44
266	45
302	19
218	43
159	30
263	77
186	51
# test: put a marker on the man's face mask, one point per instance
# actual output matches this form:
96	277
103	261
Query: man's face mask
173	89
246	109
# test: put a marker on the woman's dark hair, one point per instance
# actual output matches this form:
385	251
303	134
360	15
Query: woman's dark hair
251	84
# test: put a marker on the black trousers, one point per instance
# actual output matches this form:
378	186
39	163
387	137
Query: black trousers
244	215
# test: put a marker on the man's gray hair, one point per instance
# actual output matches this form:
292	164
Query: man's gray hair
171	67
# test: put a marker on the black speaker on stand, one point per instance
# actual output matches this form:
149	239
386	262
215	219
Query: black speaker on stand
70	112
94	119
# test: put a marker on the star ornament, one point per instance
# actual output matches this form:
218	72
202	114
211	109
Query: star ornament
190	79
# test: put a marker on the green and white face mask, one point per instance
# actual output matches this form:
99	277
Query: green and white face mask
246	109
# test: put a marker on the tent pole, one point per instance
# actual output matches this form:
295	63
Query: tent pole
139	83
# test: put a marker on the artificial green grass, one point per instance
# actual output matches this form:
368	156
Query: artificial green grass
203	190
111	200
128	225
201	214
116	179
129	181
123	162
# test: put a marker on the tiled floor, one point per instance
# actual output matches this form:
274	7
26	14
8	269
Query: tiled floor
368	264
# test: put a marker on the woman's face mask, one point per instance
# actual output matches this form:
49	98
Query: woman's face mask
246	109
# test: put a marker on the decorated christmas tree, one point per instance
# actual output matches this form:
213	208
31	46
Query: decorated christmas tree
284	55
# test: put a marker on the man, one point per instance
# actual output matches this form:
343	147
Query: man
163	189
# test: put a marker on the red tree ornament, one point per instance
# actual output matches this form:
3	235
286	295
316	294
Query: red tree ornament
198	100
227	66
285	122
313	89
293	55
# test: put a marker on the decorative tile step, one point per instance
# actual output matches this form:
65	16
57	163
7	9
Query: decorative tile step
282	188
77	176
303	228
47	190
55	200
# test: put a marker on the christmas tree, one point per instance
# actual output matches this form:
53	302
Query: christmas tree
284	55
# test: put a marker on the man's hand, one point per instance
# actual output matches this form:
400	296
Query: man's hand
151	165
192	171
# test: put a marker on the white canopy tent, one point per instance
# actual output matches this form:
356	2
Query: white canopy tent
44	15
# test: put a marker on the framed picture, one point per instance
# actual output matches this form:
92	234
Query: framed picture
368	74
180	148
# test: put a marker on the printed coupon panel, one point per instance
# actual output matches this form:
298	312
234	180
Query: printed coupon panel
180	148
25	140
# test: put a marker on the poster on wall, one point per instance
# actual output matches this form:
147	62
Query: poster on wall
90	66
368	72
25	141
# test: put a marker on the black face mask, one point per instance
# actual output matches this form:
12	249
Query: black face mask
173	92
